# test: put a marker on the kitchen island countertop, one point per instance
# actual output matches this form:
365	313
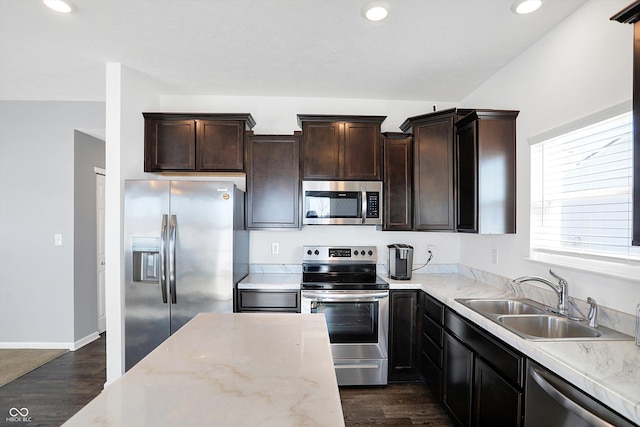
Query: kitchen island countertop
257	369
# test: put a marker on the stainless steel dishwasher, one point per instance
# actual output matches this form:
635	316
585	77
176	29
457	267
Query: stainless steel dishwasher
551	401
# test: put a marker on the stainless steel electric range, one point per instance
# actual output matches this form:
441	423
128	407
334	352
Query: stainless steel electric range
341	282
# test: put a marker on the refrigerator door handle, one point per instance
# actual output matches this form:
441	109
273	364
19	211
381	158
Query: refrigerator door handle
163	251
172	258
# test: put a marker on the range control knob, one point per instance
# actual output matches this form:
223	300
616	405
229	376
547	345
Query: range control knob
309	252
356	253
370	253
317	252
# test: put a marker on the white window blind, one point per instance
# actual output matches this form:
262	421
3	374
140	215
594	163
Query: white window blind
581	191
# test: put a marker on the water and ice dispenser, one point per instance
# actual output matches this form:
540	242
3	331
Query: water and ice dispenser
146	259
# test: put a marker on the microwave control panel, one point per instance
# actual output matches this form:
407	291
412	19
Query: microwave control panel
373	205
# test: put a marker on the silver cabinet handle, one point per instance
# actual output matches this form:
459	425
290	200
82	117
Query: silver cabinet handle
566	402
172	258
163	249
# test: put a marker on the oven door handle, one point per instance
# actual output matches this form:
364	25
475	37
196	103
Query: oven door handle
337	297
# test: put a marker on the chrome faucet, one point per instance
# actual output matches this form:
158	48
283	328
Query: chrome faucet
560	289
592	316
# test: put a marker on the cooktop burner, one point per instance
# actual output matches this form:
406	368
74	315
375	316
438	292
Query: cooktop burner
340	267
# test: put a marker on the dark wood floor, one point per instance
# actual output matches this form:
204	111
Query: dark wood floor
393	405
55	391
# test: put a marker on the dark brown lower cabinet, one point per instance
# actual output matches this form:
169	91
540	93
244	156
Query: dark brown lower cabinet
403	333
431	339
497	402
252	300
483	378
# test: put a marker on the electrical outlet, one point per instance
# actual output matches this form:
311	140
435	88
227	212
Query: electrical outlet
57	239
275	248
494	256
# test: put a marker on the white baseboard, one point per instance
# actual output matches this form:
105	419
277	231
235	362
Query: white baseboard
73	346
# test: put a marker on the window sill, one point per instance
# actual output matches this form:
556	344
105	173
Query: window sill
627	270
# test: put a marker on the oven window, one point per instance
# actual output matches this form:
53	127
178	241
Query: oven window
351	322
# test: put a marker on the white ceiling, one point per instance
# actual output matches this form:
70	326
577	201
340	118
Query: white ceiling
425	50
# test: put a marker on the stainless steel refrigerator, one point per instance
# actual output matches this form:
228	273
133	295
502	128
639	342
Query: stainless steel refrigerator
186	247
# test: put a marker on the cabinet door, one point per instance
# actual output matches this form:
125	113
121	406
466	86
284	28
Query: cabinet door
220	145
362	151
433	182
169	145
321	150
273	181
496	402
467	194
397	182
458	380
403	333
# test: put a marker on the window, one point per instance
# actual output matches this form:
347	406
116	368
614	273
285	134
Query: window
581	191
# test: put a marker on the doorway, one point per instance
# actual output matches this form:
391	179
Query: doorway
100	257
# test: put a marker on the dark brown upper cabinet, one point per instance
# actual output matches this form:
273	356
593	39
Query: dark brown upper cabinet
273	181
631	15
433	168
398	212
486	172
341	147
176	142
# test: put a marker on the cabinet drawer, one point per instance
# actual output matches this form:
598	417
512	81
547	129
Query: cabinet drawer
433	309
432	350
432	329
432	376
506	362
251	300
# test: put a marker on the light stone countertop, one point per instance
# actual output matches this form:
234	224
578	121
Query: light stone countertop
606	370
242	369
271	281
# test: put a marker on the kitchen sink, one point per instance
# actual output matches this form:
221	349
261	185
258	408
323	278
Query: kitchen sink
547	326
503	306
532	321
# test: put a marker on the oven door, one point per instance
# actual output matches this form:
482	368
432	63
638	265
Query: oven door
357	321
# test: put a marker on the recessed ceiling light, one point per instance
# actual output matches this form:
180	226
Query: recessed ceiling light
522	7
62	6
375	11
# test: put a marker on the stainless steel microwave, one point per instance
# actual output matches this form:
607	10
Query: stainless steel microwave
342	202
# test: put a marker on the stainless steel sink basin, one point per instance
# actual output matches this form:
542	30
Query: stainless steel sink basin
546	326
503	306
531	320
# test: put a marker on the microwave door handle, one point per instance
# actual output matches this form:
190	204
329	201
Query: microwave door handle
364	206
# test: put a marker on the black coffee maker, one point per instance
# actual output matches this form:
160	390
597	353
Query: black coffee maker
400	261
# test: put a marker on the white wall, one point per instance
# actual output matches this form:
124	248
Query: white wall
129	93
581	67
36	202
